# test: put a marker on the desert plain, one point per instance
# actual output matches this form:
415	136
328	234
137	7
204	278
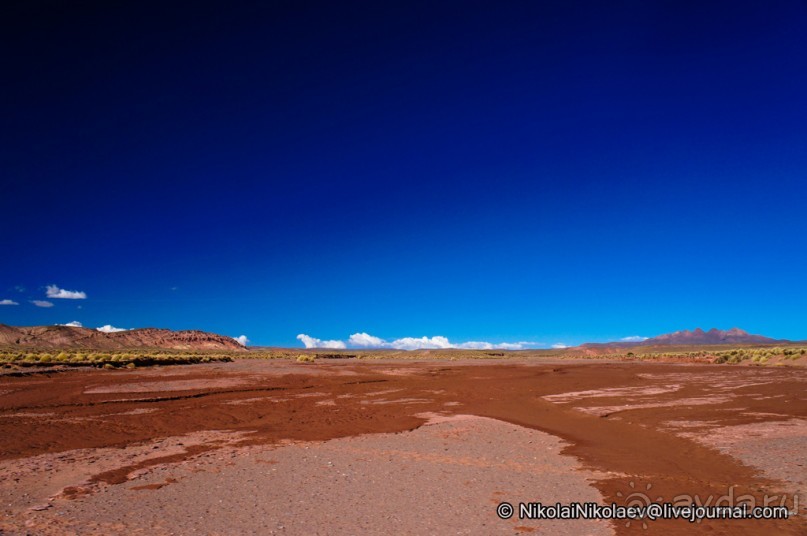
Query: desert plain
386	446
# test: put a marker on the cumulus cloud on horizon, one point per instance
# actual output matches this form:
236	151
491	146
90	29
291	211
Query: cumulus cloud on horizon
633	338
242	340
42	303
559	346
73	324
54	291
8	302
438	342
313	342
481	345
365	340
110	329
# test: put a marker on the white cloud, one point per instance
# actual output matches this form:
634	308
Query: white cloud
8	302
406	343
438	342
312	342
474	345
110	329
526	344
42	303
366	340
481	345
633	338
73	324
55	292
559	346
242	340
423	343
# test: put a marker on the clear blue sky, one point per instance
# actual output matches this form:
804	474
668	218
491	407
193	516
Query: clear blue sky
537	171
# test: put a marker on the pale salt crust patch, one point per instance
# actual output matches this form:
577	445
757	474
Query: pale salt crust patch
563	398
446	477
40	480
774	448
244	401
28	414
399	371
695	401
383	392
777	449
717	381
383	401
634	398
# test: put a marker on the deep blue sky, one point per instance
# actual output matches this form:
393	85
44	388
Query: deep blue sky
539	171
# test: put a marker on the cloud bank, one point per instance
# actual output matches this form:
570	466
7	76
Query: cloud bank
242	340
8	302
110	329
313	342
54	291
438	342
42	303
73	324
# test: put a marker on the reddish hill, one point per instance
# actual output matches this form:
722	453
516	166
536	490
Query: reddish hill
713	336
74	337
694	338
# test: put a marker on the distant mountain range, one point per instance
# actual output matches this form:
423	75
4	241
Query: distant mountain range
694	338
57	337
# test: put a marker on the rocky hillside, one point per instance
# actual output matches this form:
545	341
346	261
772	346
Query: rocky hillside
696	337
713	336
47	337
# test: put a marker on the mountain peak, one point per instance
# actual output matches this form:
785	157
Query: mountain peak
696	337
713	336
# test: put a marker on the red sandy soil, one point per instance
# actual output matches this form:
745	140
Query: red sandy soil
240	446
